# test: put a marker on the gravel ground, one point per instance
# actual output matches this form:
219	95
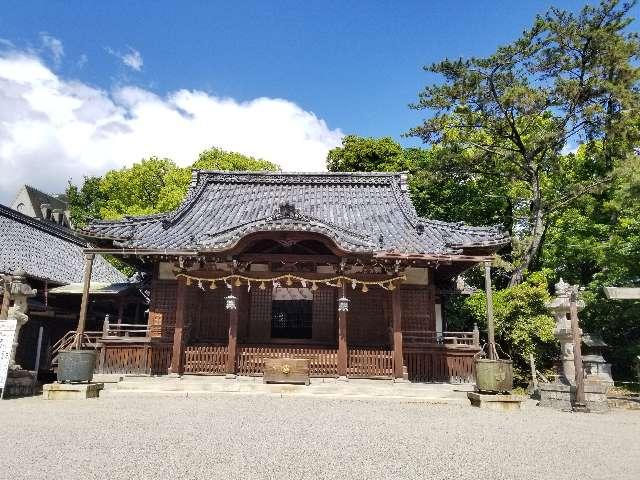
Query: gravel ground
299	438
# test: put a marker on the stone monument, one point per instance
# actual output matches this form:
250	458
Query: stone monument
18	380
561	394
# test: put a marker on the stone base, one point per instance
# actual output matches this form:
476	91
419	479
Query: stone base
71	391
496	402
20	383
562	397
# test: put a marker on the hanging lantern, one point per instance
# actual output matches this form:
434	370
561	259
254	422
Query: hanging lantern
314	287
188	281
262	286
200	285
353	284
391	286
231	302
289	282
213	285
343	304
365	289
238	282
339	284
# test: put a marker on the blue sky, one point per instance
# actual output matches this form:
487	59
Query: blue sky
355	65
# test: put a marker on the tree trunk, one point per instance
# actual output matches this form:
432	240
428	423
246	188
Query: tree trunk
535	242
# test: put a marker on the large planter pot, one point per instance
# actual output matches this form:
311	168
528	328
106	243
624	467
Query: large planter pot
76	365
494	376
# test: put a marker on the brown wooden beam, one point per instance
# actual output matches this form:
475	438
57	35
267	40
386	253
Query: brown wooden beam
342	338
396	308
84	305
287	258
232	346
178	332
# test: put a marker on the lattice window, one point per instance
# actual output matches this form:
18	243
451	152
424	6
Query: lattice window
418	309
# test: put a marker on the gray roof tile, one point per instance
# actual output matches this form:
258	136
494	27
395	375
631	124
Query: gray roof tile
356	210
47	251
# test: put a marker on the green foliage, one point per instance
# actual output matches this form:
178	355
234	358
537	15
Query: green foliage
151	186
177	180
523	325
506	118
360	154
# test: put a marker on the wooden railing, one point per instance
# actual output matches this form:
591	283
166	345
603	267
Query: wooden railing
323	361
421	337
142	359
124	330
205	359
370	363
440	363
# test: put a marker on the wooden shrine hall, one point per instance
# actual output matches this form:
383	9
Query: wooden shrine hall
336	268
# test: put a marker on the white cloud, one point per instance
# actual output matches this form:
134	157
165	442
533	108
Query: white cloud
132	59
54	46
53	129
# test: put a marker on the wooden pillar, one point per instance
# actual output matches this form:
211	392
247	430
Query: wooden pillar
178	331
342	337
120	309
84	305
396	312
492	353
6	296
580	403
232	346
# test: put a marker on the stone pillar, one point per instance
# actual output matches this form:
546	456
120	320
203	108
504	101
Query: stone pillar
560	307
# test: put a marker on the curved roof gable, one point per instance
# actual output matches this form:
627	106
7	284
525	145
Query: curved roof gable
360	212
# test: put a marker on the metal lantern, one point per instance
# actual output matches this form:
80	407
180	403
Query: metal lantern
231	302
343	304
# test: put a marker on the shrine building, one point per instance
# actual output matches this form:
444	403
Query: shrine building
336	268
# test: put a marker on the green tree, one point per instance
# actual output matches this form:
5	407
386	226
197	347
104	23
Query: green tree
523	325
177	181
151	186
569	77
367	154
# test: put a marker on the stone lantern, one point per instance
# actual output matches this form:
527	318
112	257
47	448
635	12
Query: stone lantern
20	292
559	307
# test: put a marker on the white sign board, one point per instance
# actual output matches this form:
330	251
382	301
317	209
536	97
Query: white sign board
7	336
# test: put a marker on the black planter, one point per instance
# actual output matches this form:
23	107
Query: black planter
76	365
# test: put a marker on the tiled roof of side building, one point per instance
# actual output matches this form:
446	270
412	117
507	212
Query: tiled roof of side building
360	212
47	251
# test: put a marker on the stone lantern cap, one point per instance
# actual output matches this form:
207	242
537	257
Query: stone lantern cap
561	302
19	285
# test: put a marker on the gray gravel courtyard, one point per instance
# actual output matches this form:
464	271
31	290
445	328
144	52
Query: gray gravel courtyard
270	437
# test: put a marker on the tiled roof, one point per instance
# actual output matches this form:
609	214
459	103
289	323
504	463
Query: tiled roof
47	251
361	212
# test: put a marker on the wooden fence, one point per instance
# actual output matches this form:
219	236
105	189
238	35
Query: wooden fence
435	363
142	359
370	363
205	359
440	363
